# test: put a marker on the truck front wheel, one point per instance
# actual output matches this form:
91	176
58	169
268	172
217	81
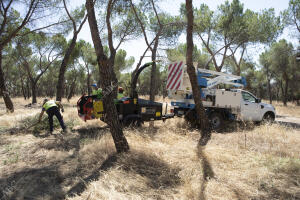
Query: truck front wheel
216	120
269	117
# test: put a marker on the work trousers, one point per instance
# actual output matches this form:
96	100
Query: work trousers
55	111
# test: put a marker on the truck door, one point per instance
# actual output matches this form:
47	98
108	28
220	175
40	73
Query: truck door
249	108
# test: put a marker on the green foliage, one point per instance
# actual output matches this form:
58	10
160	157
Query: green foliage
291	16
121	63
43	126
179	54
279	65
143	87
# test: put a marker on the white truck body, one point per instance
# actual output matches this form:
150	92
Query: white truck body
241	103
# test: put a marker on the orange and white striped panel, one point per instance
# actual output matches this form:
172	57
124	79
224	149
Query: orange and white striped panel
175	72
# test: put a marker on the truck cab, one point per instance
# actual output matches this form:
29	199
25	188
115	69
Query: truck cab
252	109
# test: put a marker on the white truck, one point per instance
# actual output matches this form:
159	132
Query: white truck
220	104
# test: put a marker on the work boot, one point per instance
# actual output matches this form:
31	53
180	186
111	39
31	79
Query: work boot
65	130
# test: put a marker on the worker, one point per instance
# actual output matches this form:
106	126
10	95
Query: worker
52	108
120	93
97	92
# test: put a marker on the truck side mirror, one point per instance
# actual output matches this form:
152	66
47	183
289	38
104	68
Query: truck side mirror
257	100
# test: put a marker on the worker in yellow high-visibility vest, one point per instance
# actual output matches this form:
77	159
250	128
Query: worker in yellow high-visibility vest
120	93
97	92
52	108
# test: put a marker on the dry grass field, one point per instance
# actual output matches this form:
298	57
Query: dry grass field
243	162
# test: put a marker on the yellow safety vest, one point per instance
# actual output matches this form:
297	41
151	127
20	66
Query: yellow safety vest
49	104
98	93
120	95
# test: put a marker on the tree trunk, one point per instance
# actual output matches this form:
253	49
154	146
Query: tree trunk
286	91
153	69
63	67
28	88
284	100
153	77
152	80
22	87
89	84
108	79
269	85
8	103
72	89
269	91
202	120
33	91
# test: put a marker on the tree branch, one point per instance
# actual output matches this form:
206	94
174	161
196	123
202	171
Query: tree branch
28	15
158	20
141	24
109	30
69	15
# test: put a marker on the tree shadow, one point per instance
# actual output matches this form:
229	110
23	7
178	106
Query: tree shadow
48	182
159	174
92	131
236	126
72	140
39	183
80	187
289	124
207	171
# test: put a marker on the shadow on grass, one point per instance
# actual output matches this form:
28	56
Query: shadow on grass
207	171
289	124
73	139
159	175
51	181
92	131
39	183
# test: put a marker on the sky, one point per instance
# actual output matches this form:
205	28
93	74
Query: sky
136	48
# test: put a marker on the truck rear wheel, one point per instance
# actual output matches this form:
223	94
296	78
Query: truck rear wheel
216	120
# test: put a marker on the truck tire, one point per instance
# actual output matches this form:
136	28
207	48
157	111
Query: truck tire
217	121
269	117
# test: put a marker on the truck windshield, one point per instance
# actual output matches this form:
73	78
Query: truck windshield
248	97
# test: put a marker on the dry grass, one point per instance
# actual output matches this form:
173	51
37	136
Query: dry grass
290	110
260	162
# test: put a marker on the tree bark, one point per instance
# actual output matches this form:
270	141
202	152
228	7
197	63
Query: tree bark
269	84
108	77
63	67
153	70
33	91
72	90
22	85
202	120
28	88
8	103
89	84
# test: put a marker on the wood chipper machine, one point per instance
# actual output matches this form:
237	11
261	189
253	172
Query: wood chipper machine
131	110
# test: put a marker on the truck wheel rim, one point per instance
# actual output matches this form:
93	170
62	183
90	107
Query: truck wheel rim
215	122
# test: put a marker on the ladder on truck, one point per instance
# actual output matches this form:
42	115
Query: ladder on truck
179	87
